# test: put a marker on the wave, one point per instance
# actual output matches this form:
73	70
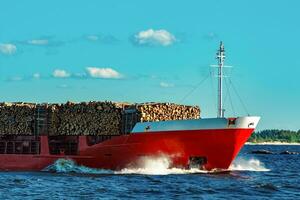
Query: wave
146	165
69	166
150	165
273	143
157	165
242	164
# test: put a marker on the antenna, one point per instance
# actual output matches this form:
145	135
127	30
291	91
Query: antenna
221	58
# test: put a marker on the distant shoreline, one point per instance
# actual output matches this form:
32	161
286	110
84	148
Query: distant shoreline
272	143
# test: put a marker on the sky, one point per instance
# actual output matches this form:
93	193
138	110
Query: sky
155	51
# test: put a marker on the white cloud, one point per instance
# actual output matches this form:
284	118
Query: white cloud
38	42
36	75
63	86
211	36
166	85
92	37
104	39
59	73
103	73
79	75
16	78
8	49
154	37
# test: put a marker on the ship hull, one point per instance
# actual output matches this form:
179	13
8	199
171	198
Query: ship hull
216	149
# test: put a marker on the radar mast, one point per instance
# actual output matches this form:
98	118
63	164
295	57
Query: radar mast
221	58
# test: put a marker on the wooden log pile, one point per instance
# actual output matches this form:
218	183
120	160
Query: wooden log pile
86	118
16	118
92	118
167	111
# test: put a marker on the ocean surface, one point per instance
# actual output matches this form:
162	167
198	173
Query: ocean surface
252	176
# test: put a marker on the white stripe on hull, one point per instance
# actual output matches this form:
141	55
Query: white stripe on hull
197	124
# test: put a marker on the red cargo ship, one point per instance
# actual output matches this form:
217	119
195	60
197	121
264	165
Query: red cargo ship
208	144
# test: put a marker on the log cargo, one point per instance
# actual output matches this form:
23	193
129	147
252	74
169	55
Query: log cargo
86	118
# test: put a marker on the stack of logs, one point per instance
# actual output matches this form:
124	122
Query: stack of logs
93	118
16	118
86	118
167	111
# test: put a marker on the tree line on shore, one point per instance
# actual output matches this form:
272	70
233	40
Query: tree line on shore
275	135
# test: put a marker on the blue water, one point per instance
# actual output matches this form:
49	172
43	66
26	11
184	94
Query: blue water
251	177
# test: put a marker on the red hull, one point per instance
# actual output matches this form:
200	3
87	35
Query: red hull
219	147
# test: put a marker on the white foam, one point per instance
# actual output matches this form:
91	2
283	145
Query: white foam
146	165
252	164
150	165
159	165
273	143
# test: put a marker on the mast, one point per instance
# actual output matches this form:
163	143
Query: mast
221	58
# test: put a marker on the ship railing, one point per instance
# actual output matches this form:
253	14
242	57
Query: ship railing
19	147
129	119
96	139
63	147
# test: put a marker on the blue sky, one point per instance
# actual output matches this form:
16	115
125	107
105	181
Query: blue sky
141	51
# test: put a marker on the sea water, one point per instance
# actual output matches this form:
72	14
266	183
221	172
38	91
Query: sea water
251	176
